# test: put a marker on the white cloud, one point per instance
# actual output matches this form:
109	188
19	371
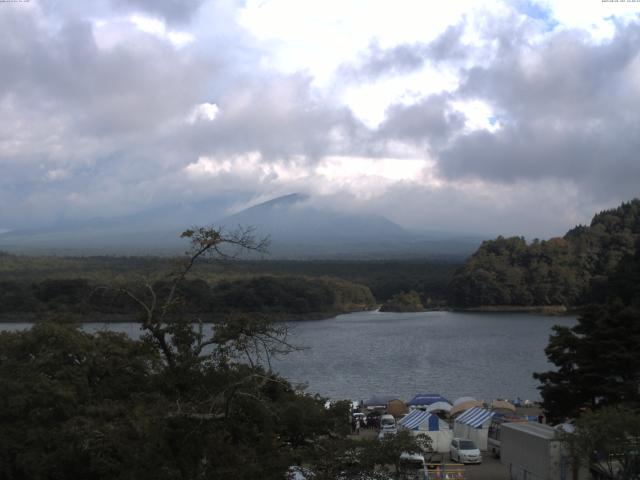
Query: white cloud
319	36
203	112
369	102
58	174
159	29
248	166
478	115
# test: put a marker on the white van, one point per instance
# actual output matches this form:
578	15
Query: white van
387	422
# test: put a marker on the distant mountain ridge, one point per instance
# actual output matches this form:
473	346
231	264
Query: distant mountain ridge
299	229
293	218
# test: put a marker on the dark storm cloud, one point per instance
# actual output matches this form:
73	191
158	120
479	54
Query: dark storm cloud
568	110
99	131
429	122
116	90
566	106
103	131
378	62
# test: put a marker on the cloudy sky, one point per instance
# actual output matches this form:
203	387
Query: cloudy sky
518	117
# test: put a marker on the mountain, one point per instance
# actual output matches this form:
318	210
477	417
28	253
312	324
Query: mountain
298	228
293	218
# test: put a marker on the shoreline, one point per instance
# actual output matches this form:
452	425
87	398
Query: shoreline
549	310
35	317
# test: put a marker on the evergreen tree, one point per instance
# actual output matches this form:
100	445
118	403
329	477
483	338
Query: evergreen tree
598	360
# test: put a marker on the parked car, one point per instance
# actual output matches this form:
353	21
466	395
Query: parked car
358	416
464	451
387	422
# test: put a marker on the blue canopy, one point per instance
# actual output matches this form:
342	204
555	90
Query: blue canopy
417	418
425	399
475	417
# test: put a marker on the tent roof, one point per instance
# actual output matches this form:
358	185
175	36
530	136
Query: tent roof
426	399
419	417
475	417
503	405
439	406
380	400
461	407
463	400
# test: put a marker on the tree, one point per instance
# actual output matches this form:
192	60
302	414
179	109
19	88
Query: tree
403	302
387	451
71	403
559	271
607	443
178	342
597	360
181	403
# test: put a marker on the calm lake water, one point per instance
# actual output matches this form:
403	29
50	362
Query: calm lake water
483	355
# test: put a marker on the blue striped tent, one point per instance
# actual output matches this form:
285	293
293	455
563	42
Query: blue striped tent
475	417
421	422
474	425
416	418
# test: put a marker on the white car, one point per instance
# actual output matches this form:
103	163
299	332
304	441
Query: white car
387	421
462	450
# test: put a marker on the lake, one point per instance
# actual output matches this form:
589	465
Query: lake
483	355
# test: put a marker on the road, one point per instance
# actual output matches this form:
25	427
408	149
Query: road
490	469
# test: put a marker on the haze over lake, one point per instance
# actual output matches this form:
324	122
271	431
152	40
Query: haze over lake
484	355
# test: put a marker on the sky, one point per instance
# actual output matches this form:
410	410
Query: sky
513	118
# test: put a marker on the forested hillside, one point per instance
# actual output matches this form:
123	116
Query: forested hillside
48	285
559	271
281	296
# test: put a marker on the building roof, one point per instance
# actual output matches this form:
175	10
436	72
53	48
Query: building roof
475	417
533	428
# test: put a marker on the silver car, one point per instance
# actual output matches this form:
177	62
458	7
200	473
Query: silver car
464	451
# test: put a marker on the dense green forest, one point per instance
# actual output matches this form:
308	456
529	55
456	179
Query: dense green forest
179	403
560	271
277	296
597	360
596	379
505	271
34	286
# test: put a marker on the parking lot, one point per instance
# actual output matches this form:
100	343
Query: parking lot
489	469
